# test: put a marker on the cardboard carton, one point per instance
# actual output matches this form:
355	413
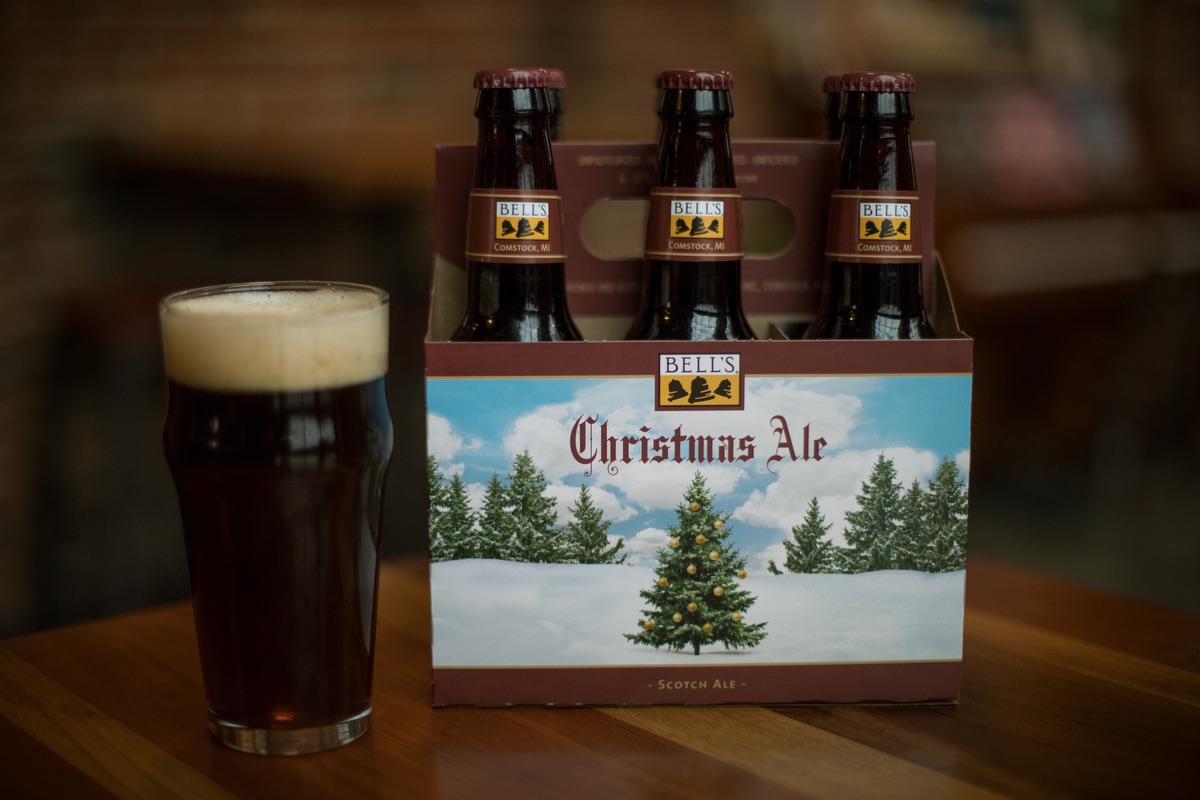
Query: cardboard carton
702	459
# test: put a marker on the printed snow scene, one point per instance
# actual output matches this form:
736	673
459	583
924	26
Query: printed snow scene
824	522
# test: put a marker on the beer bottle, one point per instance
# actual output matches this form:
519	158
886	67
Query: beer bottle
872	287
516	285
693	269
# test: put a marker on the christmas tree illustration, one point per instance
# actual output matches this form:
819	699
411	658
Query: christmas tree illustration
696	599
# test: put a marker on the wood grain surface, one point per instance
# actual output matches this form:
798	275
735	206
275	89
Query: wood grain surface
1067	692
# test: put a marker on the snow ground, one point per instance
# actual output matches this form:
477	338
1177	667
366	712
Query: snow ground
503	613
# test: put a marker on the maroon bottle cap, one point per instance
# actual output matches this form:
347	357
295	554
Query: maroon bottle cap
512	78
899	82
555	79
710	80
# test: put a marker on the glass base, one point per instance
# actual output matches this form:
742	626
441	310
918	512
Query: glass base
285	741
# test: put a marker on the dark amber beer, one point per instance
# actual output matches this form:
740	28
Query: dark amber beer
693	265
278	436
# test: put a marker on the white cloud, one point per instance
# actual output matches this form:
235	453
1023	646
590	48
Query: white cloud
774	553
963	460
657	487
644	545
476	492
834	481
567	495
829	415
608	502
445	444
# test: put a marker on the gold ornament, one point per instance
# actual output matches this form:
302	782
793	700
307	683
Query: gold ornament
700	539
677	617
707	627
692	607
648	624
718	524
714	555
662	582
736	617
691	569
718	591
674	543
694	507
741	573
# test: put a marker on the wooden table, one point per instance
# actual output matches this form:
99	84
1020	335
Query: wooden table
1067	692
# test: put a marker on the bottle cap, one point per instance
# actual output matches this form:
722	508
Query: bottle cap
710	80
897	82
555	79
512	78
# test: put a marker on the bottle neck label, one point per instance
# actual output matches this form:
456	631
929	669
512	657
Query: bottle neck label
514	226
694	225
873	227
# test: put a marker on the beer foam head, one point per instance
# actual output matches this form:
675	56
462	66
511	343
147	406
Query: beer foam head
275	337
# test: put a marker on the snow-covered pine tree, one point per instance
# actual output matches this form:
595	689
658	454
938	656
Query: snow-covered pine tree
910	548
536	537
946	519
808	550
696	599
871	529
438	547
587	534
452	531
496	529
458	521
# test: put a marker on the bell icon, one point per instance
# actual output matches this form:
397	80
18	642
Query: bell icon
700	392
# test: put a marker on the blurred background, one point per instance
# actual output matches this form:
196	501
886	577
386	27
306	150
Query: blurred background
149	146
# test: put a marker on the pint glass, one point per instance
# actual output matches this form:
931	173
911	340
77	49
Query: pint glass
278	437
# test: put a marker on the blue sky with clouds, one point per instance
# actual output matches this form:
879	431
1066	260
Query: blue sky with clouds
477	426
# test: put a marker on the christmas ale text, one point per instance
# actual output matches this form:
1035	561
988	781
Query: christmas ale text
591	442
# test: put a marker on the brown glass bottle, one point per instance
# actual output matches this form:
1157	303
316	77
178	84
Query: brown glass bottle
516	284
872	287
693	266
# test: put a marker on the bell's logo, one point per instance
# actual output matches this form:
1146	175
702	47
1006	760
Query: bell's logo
522	220
697	219
695	381
885	221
